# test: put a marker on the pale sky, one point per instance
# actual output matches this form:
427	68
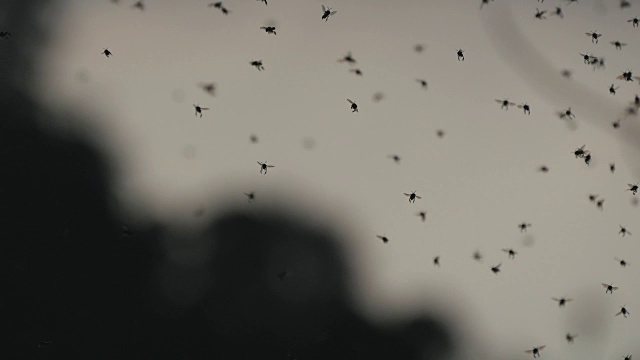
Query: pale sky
477	183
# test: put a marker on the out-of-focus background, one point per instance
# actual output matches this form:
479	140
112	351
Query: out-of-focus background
477	182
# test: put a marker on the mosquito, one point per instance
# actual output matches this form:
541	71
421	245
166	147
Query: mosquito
567	113
587	158
627	76
635	21
264	1
436	261
609	288
540	14
594	36
348	59
496	269
633	188
383	238
354	106
558	12
526	108
580	152
612	89
623	311
327	12
263	167
269	29
586	58
412	197
535	351
199	109
543	168
504	104
106	52
523	226
616	124
600	204
512	253
618	44
257	64
622	262
422	215
561	301
624	231
460	54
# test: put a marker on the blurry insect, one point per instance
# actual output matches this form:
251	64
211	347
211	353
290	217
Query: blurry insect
326	12
624	231
523	226
558	12
264	167
354	106
264	1
257	64
616	124
107	53
600	204
512	253
526	108
562	301
593	197
598	63
570	337
540	14
269	29
504	104
250	196
418	48
618	44
423	83
139	5
395	158
383	238
635	21
627	357
356	71
567	113
587	158
586	58
5	35
633	188
412	197
612	167
377	97
543	169
348	59
484	2
609	288
626	76
624	4
496	269
253	139
612	89
623	311
199	109
218	5
636	101
477	256
566	73
436	261
209	88
423	215
594	36
460	54
535	351
621	262
580	152
440	133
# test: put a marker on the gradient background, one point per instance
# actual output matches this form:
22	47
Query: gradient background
477	183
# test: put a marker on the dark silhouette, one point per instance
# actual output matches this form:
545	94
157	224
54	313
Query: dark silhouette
612	167
512	253
477	256
543	169
594	36
624	4
440	133
587	158
609	288
139	5
264	1
558	12
326	12
580	152
107	53
612	89
264	166
587	59
395	158
199	109
412	197
593	197
561	301
253	139
436	261
257	64
209	88
618	44
600	204
504	104
627	76
627	357
496	269
540	14
423	83
354	106
218	5
570	337
423	215
623	311
383	238
523	226
356	71
616	124
348	59
624	231
535	351
634	21
460	54
633	188
418	48
622	262
526	108
250	196
568	114
269	29
484	2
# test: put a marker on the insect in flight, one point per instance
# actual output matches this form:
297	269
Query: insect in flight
209	88
635	21
570	337
504	104
250	196
523	226
623	311
624	231
558	12
422	215
264	166
561	301
383	238
348	59
106	52
618	44
567	113
354	106
356	71
460	54
633	188
526	108
412	197
496	269
594	36
257	64
540	14
612	89
269	29
609	288
622	262
326	12
423	83
512	253
199	109
535	351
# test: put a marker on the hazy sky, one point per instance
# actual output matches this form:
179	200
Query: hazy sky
477	183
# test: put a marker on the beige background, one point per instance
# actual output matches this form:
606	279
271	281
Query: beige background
477	183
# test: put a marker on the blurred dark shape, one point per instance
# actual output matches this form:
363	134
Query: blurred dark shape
378	96
78	283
